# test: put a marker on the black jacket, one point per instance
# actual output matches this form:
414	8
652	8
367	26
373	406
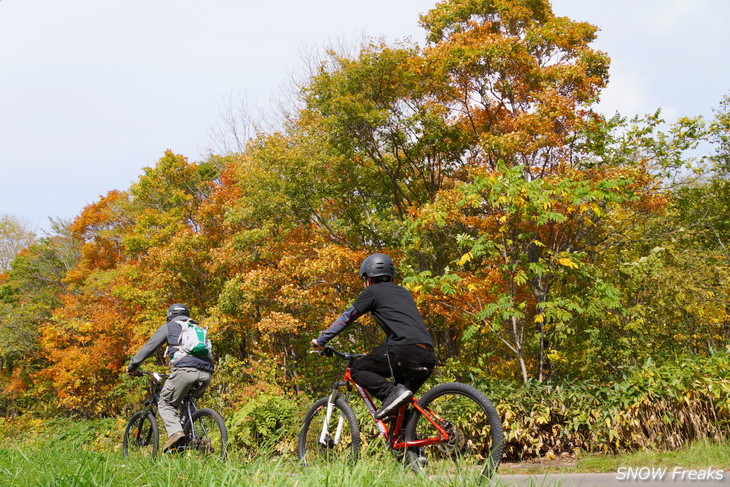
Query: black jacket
394	310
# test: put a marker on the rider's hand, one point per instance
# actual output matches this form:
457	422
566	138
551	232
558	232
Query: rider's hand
316	345
134	373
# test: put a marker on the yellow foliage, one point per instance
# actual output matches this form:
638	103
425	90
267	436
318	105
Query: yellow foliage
467	257
564	261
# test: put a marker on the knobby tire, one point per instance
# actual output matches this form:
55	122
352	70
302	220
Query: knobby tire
309	448
211	434
141	436
476	437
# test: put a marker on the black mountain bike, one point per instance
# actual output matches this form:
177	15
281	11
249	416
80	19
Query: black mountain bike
453	431
204	428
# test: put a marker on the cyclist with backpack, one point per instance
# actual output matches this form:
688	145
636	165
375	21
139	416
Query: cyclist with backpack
407	345
191	361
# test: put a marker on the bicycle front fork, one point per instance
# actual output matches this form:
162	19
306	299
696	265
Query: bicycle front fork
325	438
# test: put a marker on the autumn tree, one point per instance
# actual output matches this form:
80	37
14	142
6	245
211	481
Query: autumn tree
15	235
671	265
29	293
141	250
540	239
502	89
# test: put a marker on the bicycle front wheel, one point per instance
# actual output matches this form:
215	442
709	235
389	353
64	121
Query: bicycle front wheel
474	429
209	435
141	436
329	433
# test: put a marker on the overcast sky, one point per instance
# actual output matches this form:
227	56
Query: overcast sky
92	91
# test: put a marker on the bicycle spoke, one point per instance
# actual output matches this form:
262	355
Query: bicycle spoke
209	435
329	437
474	432
141	435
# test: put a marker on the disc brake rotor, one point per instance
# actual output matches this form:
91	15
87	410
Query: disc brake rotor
456	442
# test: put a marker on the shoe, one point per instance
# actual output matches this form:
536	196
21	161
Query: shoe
397	396
174	440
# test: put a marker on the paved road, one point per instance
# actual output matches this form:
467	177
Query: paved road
604	480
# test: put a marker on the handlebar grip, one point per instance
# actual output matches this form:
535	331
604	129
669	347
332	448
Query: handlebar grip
326	352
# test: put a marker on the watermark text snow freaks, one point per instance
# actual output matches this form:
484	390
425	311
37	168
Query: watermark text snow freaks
670	474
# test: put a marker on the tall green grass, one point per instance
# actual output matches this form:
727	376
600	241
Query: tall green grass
84	453
66	468
87	453
57	466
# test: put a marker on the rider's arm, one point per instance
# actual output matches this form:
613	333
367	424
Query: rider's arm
345	319
159	338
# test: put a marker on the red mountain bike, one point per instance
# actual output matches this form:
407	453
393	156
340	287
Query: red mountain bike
453	430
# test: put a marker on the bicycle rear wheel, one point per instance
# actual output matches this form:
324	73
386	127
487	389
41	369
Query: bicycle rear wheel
476	438
141	436
322	441
209	435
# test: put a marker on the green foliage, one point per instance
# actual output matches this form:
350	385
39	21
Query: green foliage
265	422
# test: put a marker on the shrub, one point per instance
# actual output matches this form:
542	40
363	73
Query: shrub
265	422
659	407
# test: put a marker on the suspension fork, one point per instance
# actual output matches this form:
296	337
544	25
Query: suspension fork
147	410
328	417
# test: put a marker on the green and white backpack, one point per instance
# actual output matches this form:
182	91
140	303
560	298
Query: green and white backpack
193	340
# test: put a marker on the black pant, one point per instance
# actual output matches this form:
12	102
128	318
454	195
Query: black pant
372	371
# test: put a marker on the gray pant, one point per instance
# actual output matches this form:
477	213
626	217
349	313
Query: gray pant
176	387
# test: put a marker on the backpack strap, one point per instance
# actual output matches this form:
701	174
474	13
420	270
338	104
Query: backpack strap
173	345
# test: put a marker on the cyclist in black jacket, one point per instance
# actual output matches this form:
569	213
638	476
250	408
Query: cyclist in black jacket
407	345
187	370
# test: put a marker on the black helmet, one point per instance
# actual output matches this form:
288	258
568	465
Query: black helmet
377	265
177	310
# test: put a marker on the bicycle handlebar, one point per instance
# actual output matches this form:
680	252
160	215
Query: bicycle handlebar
329	351
156	376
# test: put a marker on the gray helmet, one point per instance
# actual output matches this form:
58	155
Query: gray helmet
177	310
377	265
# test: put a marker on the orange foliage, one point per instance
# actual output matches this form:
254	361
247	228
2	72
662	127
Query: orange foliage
388	154
87	341
97	227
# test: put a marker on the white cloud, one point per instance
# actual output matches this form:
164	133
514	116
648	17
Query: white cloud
91	92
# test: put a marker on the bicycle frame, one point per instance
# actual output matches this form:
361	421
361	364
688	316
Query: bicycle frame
186	410
389	434
204	429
